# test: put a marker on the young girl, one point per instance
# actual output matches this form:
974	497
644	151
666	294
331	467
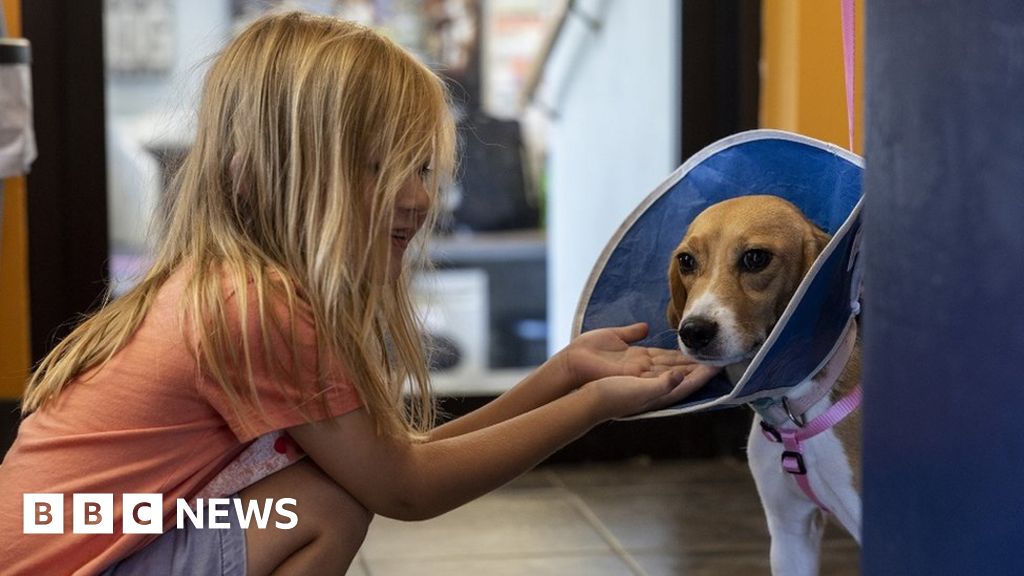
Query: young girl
278	300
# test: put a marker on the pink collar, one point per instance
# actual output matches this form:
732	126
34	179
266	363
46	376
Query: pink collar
792	455
780	410
777	412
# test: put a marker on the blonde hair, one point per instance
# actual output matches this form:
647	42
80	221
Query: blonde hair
308	127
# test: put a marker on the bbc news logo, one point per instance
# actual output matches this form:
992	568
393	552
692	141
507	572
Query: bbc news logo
143	513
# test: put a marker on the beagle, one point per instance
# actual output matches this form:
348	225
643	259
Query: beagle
730	279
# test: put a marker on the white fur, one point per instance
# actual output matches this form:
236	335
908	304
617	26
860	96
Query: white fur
794	521
729	344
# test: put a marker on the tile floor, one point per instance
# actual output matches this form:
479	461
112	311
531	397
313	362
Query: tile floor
693	518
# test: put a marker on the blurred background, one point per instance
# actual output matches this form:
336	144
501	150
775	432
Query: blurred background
570	112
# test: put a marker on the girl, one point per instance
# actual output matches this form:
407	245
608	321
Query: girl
278	300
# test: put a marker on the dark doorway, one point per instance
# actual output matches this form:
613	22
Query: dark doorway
721	48
67	198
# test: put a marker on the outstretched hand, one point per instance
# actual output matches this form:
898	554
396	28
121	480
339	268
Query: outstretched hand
622	396
608	352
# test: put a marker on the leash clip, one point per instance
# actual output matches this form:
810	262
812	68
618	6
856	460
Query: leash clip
800	420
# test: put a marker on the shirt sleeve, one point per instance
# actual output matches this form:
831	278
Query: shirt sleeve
324	389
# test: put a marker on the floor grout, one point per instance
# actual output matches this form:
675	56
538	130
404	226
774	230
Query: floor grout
597	524
587	501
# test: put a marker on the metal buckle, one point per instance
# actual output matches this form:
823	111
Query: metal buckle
800	421
795	458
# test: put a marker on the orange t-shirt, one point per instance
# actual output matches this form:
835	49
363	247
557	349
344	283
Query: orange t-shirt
146	422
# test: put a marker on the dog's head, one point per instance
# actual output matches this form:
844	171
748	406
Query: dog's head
734	272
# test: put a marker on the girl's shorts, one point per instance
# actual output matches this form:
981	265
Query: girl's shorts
190	551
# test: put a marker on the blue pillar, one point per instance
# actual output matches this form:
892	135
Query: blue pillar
944	314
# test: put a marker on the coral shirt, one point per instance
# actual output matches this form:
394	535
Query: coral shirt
146	422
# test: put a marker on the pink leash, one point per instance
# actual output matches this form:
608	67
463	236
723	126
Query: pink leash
849	50
792	456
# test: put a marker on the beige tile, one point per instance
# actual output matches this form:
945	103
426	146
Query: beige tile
834	562
666	517
358	567
529	481
698	518
708	564
588	565
506	523
689	506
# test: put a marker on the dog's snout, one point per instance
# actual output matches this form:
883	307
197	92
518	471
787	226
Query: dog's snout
697	332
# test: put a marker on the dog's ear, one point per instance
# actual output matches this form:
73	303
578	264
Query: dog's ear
814	242
676	294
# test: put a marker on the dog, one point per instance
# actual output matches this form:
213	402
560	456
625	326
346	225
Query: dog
730	279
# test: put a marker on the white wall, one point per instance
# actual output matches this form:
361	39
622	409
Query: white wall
145	108
200	28
614	134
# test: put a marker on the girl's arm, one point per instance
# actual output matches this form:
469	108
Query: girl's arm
401	479
591	356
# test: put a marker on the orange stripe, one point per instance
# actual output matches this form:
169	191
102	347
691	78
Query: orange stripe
802	85
14	310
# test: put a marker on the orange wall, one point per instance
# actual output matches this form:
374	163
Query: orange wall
802	80
14	318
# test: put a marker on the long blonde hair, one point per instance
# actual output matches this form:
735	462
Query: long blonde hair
308	127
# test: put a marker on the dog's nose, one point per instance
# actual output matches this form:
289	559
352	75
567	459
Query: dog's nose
697	332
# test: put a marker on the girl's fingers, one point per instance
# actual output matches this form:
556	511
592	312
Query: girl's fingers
688	366
631	333
702	373
681	390
667	357
658	369
654	390
681	382
643	362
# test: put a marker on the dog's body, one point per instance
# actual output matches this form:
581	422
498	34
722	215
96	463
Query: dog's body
731	277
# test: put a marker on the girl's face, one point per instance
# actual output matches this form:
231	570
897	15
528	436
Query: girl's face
411	207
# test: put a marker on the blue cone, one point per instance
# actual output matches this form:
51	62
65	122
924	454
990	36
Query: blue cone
629	282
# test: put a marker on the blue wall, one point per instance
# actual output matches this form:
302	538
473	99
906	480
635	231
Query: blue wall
944	229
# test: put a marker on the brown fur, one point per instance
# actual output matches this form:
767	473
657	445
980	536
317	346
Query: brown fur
718	237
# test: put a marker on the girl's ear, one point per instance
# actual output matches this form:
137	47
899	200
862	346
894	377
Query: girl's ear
814	242
676	294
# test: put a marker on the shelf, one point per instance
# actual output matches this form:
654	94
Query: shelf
488	247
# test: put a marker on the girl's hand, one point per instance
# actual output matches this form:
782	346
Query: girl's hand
607	352
620	396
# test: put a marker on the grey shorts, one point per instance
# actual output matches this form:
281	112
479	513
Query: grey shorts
190	551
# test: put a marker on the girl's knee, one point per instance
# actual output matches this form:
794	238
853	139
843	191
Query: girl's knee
336	512
322	506
327	505
331	526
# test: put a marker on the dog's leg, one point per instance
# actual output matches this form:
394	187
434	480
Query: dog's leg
794	522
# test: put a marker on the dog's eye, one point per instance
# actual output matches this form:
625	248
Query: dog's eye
755	260
687	263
